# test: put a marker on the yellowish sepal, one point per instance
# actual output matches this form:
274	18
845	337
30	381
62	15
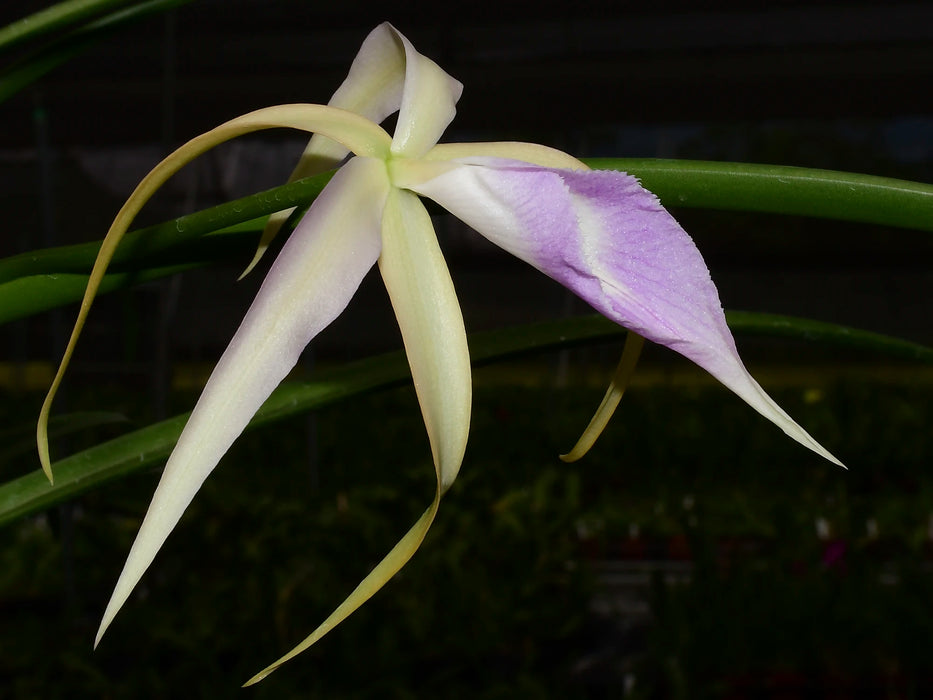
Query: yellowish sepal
386	569
358	134
617	386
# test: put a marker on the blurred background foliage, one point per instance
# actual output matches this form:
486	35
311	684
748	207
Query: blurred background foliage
694	552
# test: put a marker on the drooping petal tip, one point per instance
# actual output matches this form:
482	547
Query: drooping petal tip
620	379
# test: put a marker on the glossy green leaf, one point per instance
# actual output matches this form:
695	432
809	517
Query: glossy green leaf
146	447
170	241
699	184
55	18
777	189
29	68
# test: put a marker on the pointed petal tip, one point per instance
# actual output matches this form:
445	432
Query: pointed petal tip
46	465
259	676
252	263
587	439
829	456
110	612
617	385
100	633
42	442
755	396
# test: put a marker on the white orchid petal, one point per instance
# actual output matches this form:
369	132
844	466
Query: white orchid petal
373	90
610	241
315	275
425	303
387	75
429	103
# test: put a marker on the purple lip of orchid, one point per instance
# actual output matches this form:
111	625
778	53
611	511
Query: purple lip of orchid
597	232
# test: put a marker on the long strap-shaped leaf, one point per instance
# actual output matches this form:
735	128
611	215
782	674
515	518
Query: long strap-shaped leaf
682	183
779	189
34	65
145	447
59	16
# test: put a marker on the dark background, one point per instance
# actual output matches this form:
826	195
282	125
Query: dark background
528	67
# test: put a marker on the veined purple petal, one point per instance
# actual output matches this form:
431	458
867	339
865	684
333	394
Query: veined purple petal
312	280
609	240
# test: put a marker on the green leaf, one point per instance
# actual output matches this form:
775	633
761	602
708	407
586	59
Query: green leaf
775	326
52	19
41	280
30	295
146	447
699	184
205	231
780	189
37	63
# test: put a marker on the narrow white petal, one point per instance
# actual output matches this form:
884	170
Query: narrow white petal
386	76
425	303
429	103
311	282
372	89
429	316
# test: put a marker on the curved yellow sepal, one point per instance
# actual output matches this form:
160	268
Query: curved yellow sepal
274	224
386	569
423	296
357	133
620	380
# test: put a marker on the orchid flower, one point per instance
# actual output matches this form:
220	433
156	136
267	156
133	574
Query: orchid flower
599	233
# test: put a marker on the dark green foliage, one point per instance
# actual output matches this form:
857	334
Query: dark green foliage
501	599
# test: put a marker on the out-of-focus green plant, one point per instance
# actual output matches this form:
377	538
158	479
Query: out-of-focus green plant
56	35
